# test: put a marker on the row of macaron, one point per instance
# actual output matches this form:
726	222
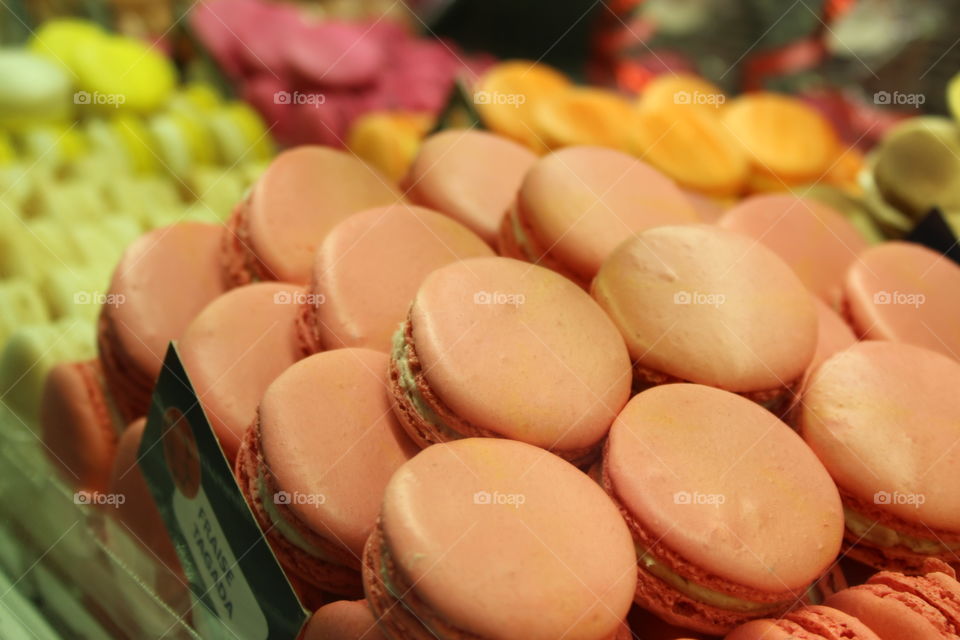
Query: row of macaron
745	323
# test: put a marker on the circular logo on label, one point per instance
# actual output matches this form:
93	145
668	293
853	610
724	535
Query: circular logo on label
180	452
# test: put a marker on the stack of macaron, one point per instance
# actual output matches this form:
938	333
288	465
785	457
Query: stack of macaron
311	78
520	395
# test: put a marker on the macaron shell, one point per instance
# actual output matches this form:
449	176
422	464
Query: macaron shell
164	279
300	197
892	615
327	429
905	292
369	267
581	202
883	416
831	624
561	564
938	589
472	176
816	241
648	287
342	620
552	344
777	523
833	335
235	348
768	629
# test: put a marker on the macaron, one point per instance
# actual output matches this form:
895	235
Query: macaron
809	623
576	205
368	269
833	336
140	518
472	176
786	139
162	281
506	94
705	305
582	116
495	539
691	147
314	465
732	515
304	192
35	89
900	607
485	336
686	90
388	140
905	292
342	620
883	418
235	347
817	241
80	425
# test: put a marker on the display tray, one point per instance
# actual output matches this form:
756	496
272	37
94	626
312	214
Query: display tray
71	569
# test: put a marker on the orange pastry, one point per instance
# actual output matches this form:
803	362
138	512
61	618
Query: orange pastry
685	89
583	116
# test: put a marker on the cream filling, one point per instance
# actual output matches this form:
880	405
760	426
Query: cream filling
410	389
286	529
699	592
396	593
882	536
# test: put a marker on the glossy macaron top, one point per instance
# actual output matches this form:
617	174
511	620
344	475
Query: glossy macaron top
885	417
472	176
815	622
905	292
326	429
235	348
726	485
503	540
369	267
303	193
517	349
163	280
710	306
579	203
342	620
815	240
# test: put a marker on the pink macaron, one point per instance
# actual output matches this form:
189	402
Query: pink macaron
900	607
342	620
501	348
494	539
235	348
303	194
334	54
700	304
884	417
314	465
809	623
732	515
472	176
577	204
368	269
80	424
905	292
819	243
163	280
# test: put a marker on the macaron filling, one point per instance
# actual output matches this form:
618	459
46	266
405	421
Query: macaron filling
286	528
517	241
881	535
